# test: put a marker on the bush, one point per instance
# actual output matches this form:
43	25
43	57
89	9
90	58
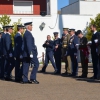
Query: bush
5	20
95	21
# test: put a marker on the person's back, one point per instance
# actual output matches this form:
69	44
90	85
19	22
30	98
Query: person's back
18	45
0	47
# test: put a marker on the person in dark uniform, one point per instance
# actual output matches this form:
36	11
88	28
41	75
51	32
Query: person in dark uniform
83	53
0	53
72	51
18	52
30	55
98	53
94	50
57	52
3	53
49	54
8	52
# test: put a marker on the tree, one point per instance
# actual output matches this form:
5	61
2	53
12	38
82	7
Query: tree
4	20
95	21
15	29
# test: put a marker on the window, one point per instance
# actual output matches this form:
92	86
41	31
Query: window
23	7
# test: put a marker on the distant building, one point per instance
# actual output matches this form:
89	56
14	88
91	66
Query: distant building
32	7
82	7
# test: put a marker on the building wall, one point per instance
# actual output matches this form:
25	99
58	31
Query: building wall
88	7
91	8
71	9
6	7
72	1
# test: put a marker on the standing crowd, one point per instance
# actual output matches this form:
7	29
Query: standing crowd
64	49
20	56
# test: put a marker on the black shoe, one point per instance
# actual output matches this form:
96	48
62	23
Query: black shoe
18	80
34	81
93	77
42	71
83	76
72	75
8	79
65	73
68	74
57	73
28	82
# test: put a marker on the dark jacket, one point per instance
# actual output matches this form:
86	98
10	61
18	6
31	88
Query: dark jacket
18	45
83	43
93	45
72	49
49	47
8	44
58	50
29	44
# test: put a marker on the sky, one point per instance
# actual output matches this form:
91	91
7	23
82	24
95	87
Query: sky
62	3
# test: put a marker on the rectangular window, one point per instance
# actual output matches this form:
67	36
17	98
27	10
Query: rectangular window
23	7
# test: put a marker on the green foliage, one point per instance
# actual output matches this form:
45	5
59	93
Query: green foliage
15	29
95	21
4	20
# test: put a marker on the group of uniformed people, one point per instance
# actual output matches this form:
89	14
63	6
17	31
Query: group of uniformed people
67	49
59	50
20	56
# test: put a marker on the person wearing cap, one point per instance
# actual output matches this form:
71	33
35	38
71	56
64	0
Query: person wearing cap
66	59
29	55
57	52
94	51
49	45
8	52
72	51
18	52
3	52
0	53
84	53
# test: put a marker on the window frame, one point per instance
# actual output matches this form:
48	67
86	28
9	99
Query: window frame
23	2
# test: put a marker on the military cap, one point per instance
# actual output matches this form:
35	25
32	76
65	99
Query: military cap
65	29
63	34
7	27
20	26
28	23
72	29
78	32
55	33
4	27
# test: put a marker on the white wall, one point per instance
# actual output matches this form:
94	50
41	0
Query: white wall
71	9
74	21
40	36
87	7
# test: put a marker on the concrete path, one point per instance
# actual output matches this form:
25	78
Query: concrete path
52	87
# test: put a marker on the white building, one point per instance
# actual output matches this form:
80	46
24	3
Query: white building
82	7
49	20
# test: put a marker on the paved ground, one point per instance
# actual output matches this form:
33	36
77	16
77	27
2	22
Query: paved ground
52	87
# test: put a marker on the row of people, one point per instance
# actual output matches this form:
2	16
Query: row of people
22	54
66	49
